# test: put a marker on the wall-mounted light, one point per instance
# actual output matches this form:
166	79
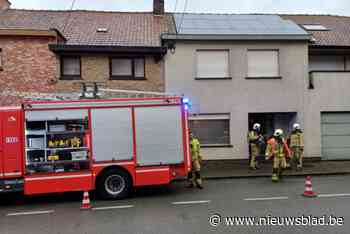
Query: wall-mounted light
172	46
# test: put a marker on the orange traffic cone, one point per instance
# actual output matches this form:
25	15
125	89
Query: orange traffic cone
86	202
308	188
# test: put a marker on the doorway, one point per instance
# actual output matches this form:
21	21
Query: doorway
271	121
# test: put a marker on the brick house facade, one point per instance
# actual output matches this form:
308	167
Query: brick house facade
32	61
27	66
96	68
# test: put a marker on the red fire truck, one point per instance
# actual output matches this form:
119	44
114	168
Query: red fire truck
110	146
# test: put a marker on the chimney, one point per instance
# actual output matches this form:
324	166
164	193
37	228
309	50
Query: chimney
158	7
4	4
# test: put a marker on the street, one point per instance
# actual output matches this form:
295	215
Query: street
176	209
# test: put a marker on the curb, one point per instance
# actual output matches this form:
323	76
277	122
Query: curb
268	175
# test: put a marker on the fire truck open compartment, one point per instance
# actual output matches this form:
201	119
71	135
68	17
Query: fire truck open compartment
55	141
107	145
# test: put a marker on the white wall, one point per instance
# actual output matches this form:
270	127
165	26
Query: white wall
331	93
239	96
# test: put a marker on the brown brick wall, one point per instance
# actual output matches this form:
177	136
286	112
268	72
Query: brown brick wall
96	68
4	4
28	66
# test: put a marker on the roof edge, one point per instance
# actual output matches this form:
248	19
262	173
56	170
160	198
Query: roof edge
220	37
64	48
52	32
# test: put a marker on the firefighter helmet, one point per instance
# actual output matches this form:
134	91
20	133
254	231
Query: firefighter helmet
278	133
296	126
256	126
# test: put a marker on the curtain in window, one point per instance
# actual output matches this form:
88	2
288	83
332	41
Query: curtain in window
71	66
121	67
213	131
139	67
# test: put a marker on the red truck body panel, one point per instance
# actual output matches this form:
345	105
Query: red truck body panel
12	149
11	143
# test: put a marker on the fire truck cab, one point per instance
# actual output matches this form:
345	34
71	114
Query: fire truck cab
110	146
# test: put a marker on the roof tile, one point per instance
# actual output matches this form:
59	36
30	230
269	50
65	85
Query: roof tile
338	33
80	27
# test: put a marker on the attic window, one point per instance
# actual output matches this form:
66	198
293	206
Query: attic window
315	27
102	30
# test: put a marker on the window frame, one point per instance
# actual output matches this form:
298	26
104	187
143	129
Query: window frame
317	27
132	76
211	117
264	77
70	77
345	63
229	77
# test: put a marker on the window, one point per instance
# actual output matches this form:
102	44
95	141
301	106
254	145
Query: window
102	30
314	27
347	63
212	64
263	64
327	63
1	60
127	68
70	68
211	129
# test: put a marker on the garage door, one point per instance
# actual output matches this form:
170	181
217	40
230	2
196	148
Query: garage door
335	135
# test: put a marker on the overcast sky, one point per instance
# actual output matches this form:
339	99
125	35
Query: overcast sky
339	7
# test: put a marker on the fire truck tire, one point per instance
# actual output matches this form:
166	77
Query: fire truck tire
114	184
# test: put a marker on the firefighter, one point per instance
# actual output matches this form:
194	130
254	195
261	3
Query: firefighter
254	139
277	149
194	176
297	146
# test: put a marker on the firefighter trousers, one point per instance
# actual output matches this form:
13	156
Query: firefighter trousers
254	154
298	155
279	164
194	176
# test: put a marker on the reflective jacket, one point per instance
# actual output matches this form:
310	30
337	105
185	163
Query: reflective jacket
296	139
276	149
195	148
253	137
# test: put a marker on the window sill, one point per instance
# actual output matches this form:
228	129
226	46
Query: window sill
217	146
213	78
127	78
70	78
330	71
264	78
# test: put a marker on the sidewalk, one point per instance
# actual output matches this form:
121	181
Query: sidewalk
239	169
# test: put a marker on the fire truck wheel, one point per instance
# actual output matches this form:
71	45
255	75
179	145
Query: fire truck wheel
114	184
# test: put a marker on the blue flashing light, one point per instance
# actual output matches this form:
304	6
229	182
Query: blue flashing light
186	107
185	101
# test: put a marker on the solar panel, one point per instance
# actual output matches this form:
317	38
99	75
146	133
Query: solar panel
225	24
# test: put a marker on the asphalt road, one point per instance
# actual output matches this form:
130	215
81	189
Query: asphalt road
176	209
